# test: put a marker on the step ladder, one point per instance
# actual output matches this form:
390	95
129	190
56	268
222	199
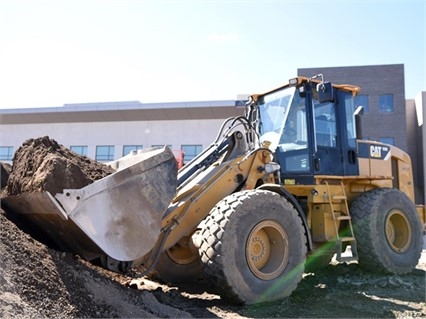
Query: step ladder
340	212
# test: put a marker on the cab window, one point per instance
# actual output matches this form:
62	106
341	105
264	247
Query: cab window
325	124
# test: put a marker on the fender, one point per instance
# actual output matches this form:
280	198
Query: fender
287	195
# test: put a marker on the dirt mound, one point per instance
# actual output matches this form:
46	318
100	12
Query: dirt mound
42	164
4	173
39	282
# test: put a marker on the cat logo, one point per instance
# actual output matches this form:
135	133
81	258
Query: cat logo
379	151
374	151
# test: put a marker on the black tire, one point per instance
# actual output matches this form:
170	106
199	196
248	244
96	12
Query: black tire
388	231
181	263
113	264
253	247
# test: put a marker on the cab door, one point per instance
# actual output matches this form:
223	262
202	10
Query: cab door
334	138
327	154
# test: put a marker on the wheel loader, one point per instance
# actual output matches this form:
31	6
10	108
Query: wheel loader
282	189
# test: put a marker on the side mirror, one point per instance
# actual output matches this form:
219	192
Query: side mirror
325	92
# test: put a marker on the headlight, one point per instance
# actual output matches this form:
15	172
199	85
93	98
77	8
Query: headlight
293	81
271	167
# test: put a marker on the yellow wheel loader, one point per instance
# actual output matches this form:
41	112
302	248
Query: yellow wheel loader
282	188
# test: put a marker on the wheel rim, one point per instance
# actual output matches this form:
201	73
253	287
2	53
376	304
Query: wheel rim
183	252
267	250
398	231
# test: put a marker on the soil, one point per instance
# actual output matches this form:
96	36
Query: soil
42	164
5	170
39	281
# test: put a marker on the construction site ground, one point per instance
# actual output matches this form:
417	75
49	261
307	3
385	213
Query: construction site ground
37	281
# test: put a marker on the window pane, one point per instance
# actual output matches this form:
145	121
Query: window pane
6	153
387	140
294	134
82	150
386	103
128	148
325	124
274	109
350	120
190	151
105	153
362	99
297	163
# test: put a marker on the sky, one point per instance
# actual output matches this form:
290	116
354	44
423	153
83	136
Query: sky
82	51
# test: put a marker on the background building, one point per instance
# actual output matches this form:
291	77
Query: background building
417	142
107	131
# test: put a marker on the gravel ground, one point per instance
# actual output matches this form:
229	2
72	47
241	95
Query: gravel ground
38	281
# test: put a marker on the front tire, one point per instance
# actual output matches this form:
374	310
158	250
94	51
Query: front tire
254	247
388	231
115	265
180	263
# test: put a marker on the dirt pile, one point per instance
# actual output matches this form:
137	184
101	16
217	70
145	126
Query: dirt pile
42	164
39	282
4	173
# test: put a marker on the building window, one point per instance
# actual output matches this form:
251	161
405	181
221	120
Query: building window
6	153
362	99
387	140
105	153
190	151
128	148
79	149
386	103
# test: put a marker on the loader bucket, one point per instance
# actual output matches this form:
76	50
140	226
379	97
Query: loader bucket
118	215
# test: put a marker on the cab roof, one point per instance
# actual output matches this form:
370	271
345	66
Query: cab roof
301	79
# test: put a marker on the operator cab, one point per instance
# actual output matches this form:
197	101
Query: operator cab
310	125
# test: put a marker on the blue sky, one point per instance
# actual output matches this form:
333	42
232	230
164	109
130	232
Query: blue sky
58	52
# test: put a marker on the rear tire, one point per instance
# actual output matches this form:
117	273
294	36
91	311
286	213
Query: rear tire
388	231
253	247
